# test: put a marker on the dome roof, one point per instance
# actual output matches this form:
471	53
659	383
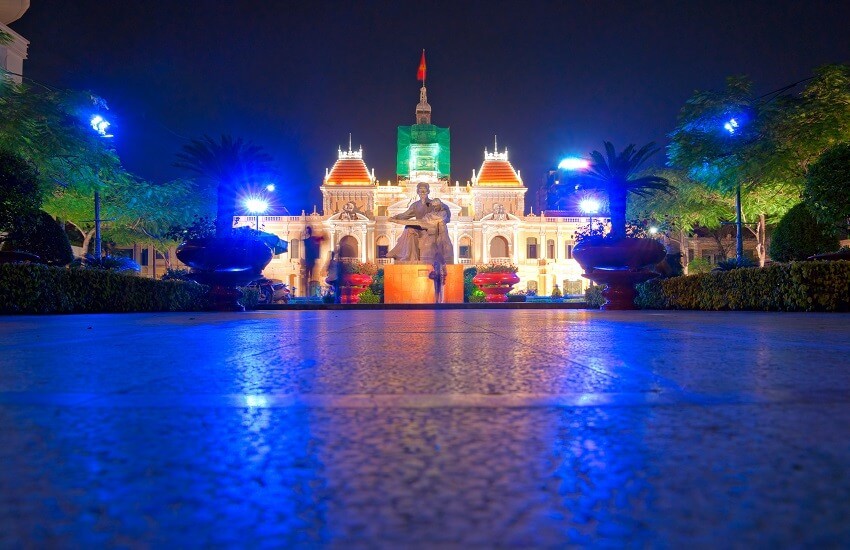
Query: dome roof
349	169
497	171
12	10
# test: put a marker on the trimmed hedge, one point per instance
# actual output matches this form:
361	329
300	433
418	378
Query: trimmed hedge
796	286
32	288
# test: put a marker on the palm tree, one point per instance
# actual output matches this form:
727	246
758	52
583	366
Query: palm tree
616	175
228	164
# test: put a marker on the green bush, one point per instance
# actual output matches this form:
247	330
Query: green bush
698	265
477	296
41	235
32	288
469	287
799	235
797	286
556	292
250	297
107	263
593	296
826	192
733	263
369	297
377	286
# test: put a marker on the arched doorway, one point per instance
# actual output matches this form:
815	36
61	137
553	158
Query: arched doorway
382	246
348	247
499	247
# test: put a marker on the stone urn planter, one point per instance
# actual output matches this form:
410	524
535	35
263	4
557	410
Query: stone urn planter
496	285
224	264
619	265
352	286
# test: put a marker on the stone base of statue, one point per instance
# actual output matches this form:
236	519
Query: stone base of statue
412	284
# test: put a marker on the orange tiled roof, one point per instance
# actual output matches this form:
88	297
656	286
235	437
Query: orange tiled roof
349	172
498	173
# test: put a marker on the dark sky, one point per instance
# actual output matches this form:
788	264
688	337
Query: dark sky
551	79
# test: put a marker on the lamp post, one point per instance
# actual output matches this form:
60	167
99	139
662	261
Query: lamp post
732	126
101	126
589	206
256	206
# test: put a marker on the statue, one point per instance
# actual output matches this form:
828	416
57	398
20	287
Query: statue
427	241
349	212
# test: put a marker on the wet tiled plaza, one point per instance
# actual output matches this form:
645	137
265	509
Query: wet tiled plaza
425	429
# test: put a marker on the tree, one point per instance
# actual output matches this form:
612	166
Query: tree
827	187
20	196
768	144
617	176
38	233
228	164
799	235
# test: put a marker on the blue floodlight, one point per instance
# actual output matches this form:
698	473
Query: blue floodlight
101	126
731	126
256	206
589	206
574	163
270	187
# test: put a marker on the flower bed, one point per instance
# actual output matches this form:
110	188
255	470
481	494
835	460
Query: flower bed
797	286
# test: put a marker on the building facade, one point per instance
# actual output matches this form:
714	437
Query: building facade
488	222
13	50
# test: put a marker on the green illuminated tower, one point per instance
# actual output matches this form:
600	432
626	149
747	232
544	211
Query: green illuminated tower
424	150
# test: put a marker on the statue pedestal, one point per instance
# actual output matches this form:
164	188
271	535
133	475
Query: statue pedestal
410	284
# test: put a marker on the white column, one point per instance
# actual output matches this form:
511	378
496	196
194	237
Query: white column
516	245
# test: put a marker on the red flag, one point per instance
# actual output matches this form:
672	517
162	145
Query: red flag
420	74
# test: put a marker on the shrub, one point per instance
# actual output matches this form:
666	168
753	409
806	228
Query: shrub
826	192
733	263
799	235
698	265
369	297
32	288
41	235
360	268
20	196
377	286
495	268
250	297
107	263
477	296
556	292
796	286
593	296
172	274
468	286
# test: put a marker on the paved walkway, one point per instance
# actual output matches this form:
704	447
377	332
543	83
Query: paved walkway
425	429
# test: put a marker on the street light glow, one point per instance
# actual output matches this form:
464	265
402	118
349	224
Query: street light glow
574	163
256	206
731	126
101	126
270	187
653	230
589	206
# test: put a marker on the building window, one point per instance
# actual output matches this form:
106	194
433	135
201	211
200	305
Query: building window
295	249
464	211
464	248
569	252
382	247
531	248
550	249
144	257
571	288
382	211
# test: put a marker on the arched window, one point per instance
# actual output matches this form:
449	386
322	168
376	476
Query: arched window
531	248
550	249
464	248
499	247
348	247
382	246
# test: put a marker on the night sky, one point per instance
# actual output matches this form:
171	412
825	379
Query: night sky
550	79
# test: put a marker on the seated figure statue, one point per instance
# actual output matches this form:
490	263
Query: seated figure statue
427	241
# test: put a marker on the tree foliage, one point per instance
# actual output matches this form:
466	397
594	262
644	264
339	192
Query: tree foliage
617	175
38	233
827	188
229	165
799	235
19	189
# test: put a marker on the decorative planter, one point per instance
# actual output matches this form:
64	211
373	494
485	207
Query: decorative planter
225	264
619	265
496	286
351	285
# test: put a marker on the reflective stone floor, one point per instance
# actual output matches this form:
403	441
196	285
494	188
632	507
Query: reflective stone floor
425	429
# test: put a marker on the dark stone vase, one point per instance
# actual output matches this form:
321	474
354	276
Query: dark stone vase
619	265
224	264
